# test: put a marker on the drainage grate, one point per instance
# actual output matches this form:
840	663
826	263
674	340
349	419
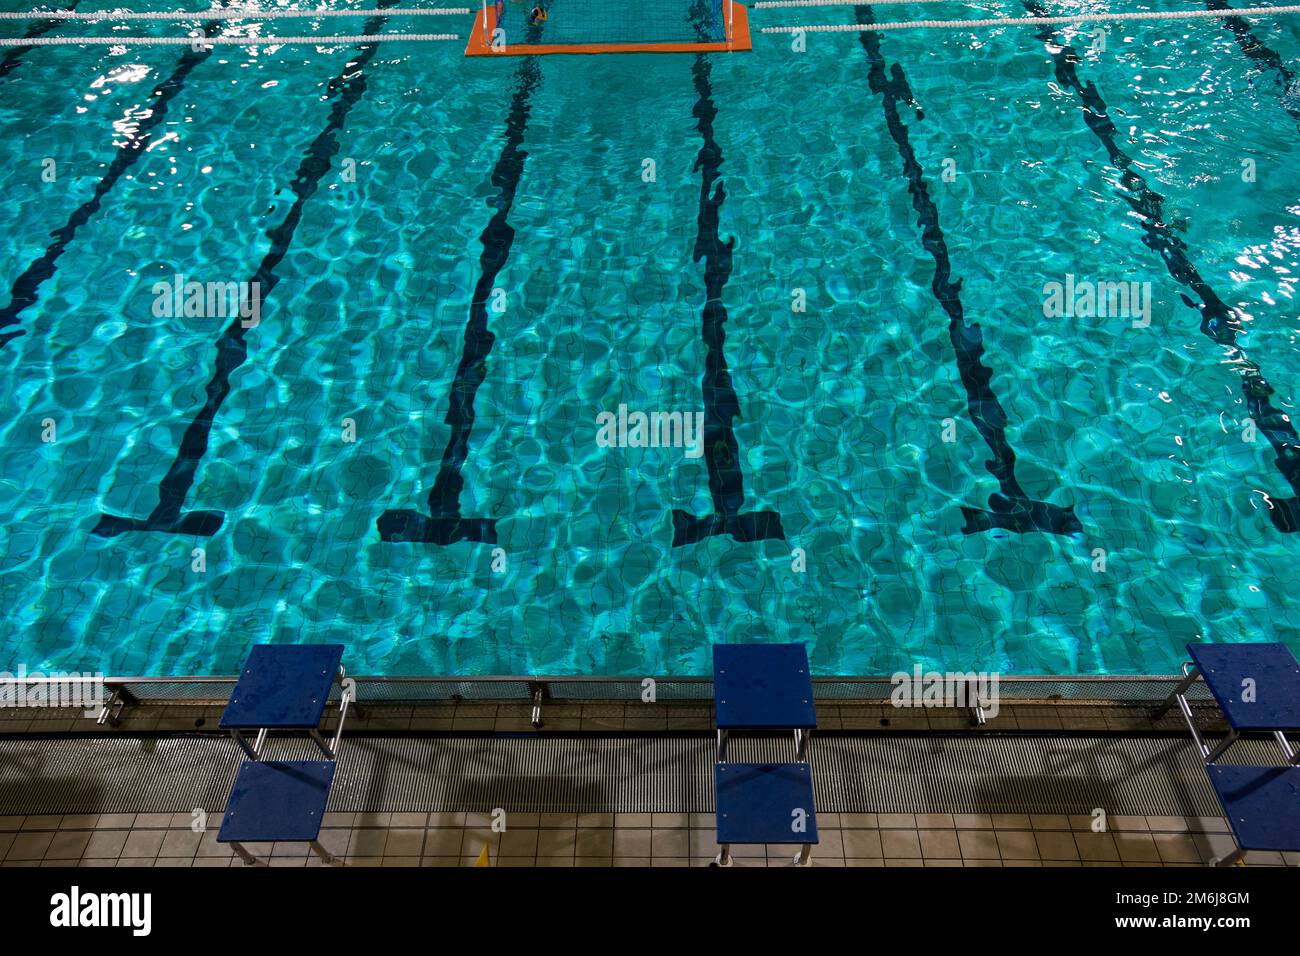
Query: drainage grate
886	773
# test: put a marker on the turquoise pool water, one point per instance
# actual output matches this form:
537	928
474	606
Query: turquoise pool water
359	187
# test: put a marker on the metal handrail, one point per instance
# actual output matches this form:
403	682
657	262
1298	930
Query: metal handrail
1104	687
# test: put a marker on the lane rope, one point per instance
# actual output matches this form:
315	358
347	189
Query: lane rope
228	40
234	13
780	4
1099	17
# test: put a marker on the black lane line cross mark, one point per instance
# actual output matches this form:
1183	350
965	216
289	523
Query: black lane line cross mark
721	405
1010	508
232	349
1218	322
26	288
444	523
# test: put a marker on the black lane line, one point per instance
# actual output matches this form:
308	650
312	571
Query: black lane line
232	350
444	523
1010	508
1218	322
11	59
1255	48
26	287
721	406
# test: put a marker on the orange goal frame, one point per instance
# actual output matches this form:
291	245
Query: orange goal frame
739	43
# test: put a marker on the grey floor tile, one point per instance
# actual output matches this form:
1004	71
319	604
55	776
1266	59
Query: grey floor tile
405	842
830	843
1010	821
152	821
858	821
1049	821
1056	845
408	820
558	821
1017	845
665	821
29	846
78	821
294	849
444	841
1096	847
934	821
1120	823
368	842
105	844
978	844
556	842
518	842
1136	847
180	843
940	845
439	820
115	821
892	821
632	843
900	844
670	843
862	844
68	845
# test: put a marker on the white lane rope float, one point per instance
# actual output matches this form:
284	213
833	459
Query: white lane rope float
233	13
250	40
1100	16
780	4
230	13
247	13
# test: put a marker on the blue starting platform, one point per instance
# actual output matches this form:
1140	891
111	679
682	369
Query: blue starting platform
284	687
759	688
1257	687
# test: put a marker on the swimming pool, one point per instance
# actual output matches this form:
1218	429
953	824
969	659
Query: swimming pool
840	262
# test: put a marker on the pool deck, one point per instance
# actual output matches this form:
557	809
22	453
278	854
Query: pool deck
417	786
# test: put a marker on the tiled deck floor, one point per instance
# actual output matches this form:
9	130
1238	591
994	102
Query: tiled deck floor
660	839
